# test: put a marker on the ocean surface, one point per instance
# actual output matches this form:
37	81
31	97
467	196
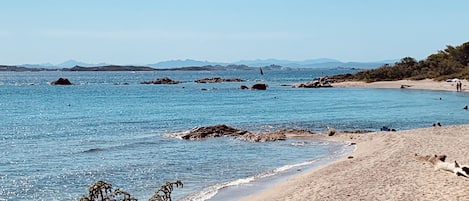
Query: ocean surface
57	140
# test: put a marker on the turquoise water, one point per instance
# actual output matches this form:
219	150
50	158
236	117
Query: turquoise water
57	140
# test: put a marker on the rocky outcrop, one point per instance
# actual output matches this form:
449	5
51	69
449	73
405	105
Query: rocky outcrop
164	80
259	87
218	80
61	81
316	83
211	132
222	130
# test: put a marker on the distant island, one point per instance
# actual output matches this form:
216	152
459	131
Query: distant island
452	62
142	68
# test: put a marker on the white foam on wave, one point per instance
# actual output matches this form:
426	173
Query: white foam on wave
299	144
177	135
211	191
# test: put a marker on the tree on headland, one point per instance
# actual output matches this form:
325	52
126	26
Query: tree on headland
451	62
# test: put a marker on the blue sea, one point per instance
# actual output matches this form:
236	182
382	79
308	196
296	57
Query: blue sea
57	140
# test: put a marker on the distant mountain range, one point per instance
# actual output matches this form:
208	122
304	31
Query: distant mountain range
311	63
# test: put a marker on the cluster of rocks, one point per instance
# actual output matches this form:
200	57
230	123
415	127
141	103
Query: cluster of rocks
61	81
316	83
164	80
218	80
222	130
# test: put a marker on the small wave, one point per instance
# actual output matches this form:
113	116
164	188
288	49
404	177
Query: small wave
93	150
140	143
120	147
299	144
211	191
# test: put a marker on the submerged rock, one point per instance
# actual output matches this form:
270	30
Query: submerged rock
244	87
61	81
263	137
164	80
218	79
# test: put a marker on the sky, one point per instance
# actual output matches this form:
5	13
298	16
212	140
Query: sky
150	31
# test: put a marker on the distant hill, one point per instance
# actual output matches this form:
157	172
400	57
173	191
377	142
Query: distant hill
311	63
183	63
190	68
110	68
21	69
70	63
314	63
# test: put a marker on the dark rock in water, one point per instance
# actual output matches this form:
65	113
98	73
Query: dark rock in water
259	87
384	128
244	87
218	79
212	131
61	81
330	131
164	80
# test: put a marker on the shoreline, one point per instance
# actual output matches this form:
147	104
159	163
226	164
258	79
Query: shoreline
383	167
282	174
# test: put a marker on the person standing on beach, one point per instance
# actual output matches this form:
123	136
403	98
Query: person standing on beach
458	86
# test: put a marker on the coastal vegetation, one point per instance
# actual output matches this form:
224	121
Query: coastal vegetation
452	62
102	191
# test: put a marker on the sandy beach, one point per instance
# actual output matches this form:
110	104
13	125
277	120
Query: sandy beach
384	166
427	84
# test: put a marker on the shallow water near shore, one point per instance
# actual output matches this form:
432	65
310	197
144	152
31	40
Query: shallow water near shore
57	140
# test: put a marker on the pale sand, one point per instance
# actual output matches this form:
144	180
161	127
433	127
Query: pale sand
384	167
427	84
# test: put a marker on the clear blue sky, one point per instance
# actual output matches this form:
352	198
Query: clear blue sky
149	31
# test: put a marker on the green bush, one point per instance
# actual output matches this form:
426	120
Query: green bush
453	62
102	191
